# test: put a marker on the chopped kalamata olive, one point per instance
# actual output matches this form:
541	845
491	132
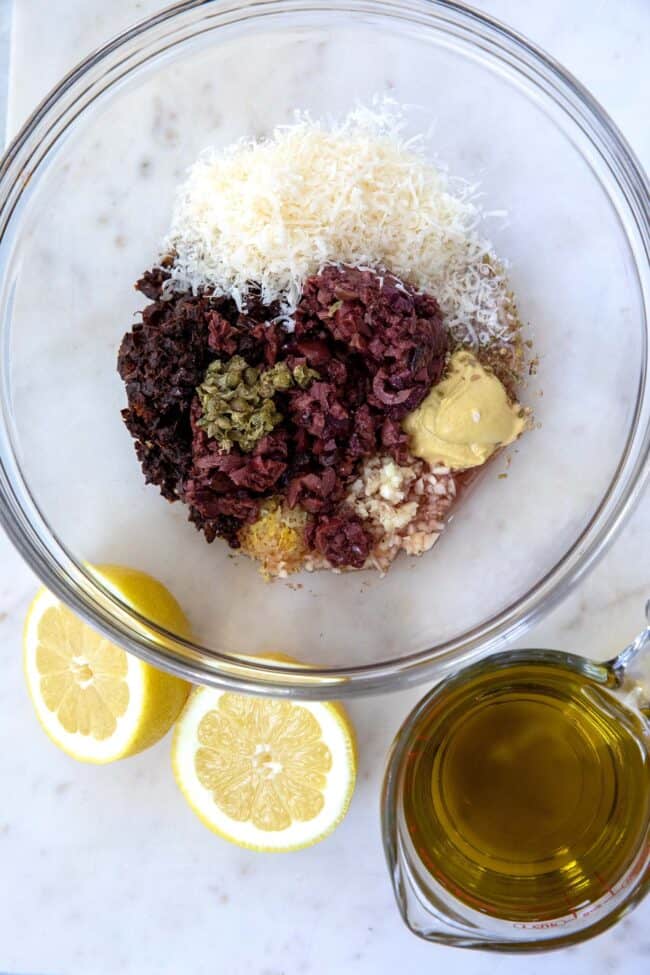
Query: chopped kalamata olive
304	409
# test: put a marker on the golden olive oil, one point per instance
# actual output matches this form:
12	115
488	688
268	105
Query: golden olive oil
527	791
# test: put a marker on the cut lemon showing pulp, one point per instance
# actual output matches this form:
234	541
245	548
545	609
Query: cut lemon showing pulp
94	700
264	773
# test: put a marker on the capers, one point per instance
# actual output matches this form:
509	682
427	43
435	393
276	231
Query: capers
237	399
303	375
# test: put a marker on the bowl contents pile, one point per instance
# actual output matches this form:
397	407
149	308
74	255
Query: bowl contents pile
330	348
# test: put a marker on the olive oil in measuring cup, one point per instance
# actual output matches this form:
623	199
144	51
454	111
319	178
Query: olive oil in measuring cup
527	796
516	801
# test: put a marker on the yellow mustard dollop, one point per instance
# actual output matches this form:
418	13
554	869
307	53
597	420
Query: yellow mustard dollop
465	418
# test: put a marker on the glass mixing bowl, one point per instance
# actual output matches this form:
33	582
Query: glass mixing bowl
86	191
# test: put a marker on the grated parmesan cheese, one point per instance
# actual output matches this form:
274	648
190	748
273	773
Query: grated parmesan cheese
271	213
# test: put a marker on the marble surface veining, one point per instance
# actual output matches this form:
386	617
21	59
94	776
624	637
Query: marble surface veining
106	870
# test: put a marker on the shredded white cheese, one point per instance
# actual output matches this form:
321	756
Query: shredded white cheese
271	213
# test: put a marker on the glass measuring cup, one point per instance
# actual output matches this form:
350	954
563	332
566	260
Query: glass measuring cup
569	852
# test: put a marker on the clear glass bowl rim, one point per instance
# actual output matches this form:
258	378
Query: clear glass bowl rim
71	581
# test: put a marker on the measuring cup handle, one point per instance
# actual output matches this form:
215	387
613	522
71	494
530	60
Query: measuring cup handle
630	672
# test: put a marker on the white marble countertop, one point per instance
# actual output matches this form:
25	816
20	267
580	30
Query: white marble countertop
105	870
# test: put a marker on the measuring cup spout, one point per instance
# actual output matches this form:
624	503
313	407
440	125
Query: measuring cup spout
630	672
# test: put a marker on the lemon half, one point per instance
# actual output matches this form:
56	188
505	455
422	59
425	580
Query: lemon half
94	700
267	774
